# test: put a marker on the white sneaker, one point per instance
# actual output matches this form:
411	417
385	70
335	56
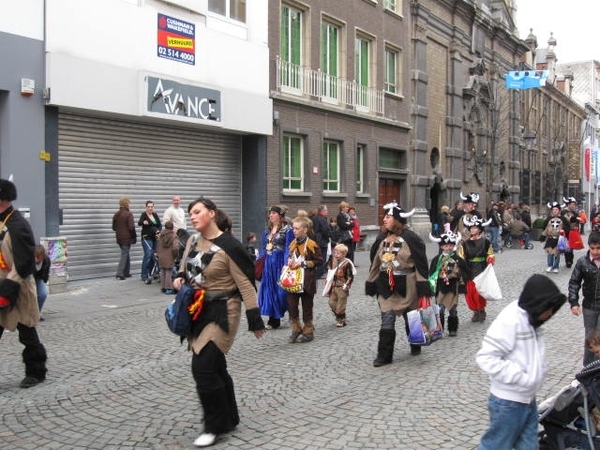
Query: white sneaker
205	440
555	270
549	269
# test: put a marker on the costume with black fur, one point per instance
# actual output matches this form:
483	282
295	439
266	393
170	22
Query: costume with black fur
227	276
17	287
398	284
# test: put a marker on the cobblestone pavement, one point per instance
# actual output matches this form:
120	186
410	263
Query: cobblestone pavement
118	379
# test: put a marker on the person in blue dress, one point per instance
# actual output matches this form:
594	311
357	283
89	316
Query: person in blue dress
276	240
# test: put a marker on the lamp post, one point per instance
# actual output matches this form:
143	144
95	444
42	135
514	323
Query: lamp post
529	137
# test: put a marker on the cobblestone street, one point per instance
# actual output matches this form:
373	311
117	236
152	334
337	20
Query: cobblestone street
118	379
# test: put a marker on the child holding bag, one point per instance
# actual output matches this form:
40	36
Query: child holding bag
339	280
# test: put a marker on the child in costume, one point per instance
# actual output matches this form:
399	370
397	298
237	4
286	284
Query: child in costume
446	272
343	276
478	252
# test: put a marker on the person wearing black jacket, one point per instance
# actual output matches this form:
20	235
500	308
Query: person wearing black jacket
18	301
322	234
151	226
41	275
397	277
587	272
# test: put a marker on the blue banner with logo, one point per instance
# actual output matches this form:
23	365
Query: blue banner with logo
526	79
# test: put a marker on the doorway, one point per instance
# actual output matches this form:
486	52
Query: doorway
389	190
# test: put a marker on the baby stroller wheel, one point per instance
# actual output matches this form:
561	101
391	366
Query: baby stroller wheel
508	243
530	246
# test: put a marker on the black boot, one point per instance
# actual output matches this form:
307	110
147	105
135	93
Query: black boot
452	325
443	319
34	357
385	348
273	323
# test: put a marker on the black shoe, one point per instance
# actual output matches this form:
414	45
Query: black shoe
415	350
569	265
148	281
381	362
120	278
128	276
29	381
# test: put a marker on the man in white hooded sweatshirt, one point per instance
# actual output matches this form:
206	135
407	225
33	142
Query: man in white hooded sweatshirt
513	355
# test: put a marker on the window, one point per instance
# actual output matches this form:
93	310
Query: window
361	69
291	46
331	167
360	168
234	9
392	5
330	42
390	82
392	159
293	163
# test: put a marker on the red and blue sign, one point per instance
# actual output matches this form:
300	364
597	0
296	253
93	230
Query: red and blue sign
176	40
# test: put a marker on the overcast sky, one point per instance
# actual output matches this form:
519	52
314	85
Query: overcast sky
571	21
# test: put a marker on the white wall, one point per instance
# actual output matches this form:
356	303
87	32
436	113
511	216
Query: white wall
24	18
98	52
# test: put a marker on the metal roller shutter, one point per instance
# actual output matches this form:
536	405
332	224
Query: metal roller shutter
102	160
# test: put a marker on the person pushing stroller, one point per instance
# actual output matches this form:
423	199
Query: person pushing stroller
513	355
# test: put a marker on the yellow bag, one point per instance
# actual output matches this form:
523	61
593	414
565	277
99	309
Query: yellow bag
292	280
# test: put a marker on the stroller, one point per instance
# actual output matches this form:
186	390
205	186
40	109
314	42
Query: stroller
182	237
568	418
516	230
154	272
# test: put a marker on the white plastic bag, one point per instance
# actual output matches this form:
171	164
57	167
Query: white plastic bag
329	281
487	284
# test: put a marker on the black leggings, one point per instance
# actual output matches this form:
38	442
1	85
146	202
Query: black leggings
215	390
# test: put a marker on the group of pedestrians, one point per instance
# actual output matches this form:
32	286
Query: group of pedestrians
280	248
222	274
159	240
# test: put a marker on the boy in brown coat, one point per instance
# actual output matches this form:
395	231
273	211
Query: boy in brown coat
168	250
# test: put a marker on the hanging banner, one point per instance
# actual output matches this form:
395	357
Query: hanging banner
526	79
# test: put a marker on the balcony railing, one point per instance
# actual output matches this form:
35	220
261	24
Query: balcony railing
301	81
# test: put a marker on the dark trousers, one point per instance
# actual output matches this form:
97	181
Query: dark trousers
307	306
215	390
34	353
123	269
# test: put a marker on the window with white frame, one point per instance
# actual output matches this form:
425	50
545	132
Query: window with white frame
360	168
293	163
291	46
362	67
331	166
392	5
330	48
391	81
233	9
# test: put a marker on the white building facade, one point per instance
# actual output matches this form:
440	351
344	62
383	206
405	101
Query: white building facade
148	99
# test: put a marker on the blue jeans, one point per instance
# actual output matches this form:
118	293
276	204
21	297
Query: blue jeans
494	235
42	293
149	247
553	260
512	425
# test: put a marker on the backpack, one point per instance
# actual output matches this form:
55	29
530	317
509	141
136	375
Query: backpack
179	319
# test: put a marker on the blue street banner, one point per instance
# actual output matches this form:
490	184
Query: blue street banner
526	79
